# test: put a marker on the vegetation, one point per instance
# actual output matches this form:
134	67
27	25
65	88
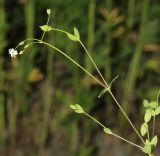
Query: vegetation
35	84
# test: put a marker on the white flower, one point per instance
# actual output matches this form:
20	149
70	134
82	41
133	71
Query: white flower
13	52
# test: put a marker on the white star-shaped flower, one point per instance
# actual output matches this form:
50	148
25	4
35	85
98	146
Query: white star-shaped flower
13	52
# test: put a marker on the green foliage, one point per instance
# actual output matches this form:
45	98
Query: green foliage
107	130
45	28
109	32
72	37
76	34
77	108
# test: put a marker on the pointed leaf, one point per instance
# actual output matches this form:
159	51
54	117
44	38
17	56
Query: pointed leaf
71	37
148	115
157	111
102	92
73	107
76	33
144	129
147	148
46	28
107	130
21	43
78	107
113	81
79	111
154	140
153	104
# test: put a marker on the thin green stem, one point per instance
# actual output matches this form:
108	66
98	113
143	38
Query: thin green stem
77	64
117	136
28	39
158	96
47	25
90	57
106	85
154	120
154	117
61	52
59	30
148	135
42	42
126	116
111	92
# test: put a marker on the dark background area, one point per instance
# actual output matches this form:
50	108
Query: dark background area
37	87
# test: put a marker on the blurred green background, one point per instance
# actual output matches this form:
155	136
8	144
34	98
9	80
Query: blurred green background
37	88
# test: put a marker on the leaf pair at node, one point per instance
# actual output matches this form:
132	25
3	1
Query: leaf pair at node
150	145
107	88
75	36
77	108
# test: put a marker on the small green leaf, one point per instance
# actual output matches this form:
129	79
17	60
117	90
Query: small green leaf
21	43
71	37
110	84
73	107
145	103
26	46
147	148
153	104
79	111
144	129
148	115
77	108
154	140
48	11
45	28
76	33
103	92
21	52
107	130
157	111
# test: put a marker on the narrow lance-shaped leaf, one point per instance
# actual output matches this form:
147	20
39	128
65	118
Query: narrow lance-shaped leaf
103	92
